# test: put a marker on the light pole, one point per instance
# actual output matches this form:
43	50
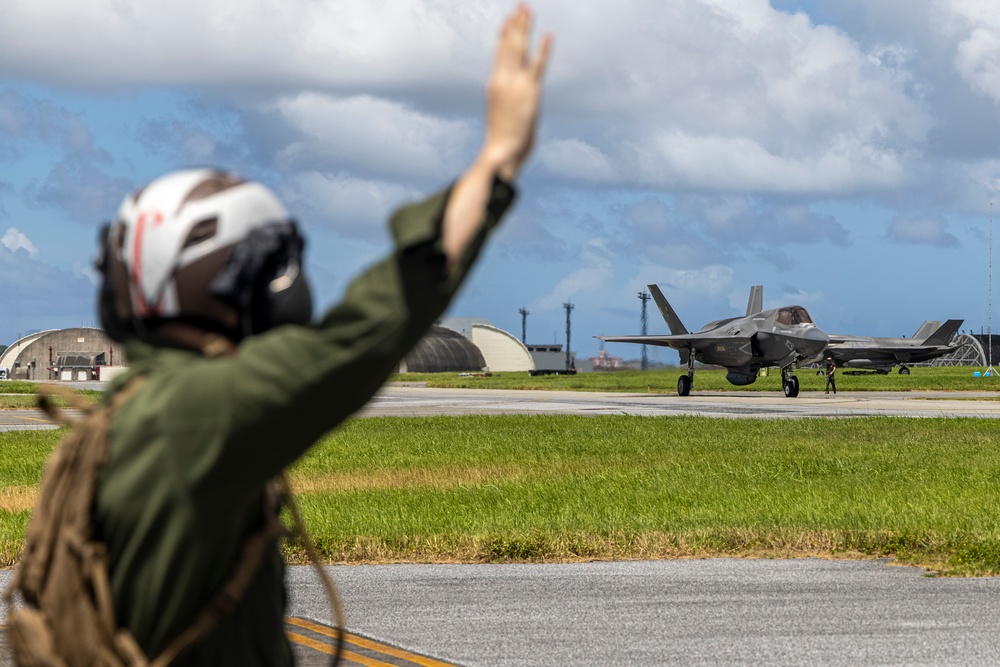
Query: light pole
643	321
569	308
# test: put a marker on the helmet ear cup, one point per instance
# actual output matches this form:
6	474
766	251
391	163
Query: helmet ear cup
263	279
113	290
287	299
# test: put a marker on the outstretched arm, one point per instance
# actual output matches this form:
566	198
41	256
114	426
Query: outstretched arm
513	100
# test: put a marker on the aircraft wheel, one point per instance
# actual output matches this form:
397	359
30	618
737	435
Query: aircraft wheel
903	370
683	385
819	372
791	387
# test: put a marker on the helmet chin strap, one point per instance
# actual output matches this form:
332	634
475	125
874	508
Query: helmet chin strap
212	345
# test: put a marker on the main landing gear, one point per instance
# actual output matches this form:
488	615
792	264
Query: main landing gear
684	382
789	383
904	370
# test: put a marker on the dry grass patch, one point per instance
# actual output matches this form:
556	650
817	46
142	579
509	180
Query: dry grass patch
432	478
572	548
17	498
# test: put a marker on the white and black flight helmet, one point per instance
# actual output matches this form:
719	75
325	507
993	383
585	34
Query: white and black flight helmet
204	248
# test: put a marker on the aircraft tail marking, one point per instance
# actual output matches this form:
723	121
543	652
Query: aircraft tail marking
674	322
756	302
944	333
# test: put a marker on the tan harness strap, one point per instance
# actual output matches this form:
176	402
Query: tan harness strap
47	393
247	565
336	608
249	560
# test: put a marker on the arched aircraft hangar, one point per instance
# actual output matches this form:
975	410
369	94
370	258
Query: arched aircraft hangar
63	354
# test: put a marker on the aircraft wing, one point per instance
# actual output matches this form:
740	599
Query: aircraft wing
677	342
684	341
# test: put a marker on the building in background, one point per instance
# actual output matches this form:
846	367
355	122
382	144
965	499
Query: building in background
85	353
502	351
442	350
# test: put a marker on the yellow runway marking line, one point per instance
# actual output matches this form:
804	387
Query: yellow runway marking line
368	644
356	658
329	650
35	419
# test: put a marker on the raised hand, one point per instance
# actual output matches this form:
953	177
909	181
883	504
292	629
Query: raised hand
514	95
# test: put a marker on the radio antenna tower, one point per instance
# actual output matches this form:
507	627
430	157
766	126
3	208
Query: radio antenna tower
643	322
989	308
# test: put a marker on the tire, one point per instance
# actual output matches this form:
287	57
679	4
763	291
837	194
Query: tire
791	387
903	370
683	385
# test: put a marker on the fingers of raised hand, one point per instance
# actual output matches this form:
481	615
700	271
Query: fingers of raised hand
541	58
513	49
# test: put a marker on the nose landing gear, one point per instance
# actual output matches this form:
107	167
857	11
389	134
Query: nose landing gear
789	383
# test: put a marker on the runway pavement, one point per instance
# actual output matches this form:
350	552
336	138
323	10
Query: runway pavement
649	613
411	401
687	613
407	401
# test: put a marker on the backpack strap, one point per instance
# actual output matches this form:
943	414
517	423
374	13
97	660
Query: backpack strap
336	608
47	393
251	555
247	564
59	538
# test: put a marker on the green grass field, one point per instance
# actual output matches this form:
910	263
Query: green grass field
664	381
18	395
564	488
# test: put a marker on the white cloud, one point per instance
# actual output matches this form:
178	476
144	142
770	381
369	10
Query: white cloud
667	93
975	25
711	280
594	273
15	240
742	222
576	159
732	96
232	42
370	135
744	164
353	207
921	230
38	295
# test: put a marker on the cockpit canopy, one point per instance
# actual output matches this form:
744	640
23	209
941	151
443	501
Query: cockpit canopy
794	315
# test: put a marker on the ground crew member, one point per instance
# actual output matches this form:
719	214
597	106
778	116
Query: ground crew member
202	279
831	371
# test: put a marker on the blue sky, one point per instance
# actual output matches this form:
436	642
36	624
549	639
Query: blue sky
842	153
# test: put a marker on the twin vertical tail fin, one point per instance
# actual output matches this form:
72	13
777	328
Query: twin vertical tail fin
944	334
756	302
674	322
926	329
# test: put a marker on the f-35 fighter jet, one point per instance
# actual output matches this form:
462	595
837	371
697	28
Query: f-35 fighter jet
782	337
932	340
